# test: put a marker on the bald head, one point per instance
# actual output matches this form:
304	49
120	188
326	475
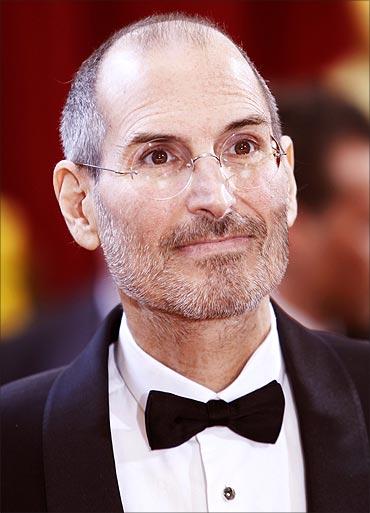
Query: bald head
84	122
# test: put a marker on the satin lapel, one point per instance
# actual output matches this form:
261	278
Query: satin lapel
332	425
80	473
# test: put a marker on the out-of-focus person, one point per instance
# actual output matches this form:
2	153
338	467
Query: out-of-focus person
327	283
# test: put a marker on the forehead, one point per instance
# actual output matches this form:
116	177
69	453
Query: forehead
182	87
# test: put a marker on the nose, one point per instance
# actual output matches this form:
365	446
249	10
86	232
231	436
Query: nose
209	193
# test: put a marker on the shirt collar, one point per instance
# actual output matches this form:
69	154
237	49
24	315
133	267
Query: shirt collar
142	373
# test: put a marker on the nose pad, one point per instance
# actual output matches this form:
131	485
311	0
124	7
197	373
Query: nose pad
203	155
209	193
226	175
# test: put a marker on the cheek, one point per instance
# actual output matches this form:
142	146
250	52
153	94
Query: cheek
275	189
119	196
266	201
147	219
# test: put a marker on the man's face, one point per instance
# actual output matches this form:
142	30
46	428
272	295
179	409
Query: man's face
172	255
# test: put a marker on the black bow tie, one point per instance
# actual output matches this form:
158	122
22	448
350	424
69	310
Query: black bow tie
171	420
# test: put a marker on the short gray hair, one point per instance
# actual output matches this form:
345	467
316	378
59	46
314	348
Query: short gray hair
82	127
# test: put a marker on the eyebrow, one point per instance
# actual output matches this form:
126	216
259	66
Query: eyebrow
254	120
145	137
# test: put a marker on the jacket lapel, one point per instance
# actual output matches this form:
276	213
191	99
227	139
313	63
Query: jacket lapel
78	455
332	425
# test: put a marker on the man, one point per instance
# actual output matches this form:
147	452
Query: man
327	281
201	396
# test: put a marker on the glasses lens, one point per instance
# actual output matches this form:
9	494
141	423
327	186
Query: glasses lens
249	160
163	169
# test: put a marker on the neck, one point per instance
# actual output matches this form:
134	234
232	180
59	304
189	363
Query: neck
211	352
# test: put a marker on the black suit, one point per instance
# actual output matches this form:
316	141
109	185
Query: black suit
58	451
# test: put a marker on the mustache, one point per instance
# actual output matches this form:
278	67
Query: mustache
231	225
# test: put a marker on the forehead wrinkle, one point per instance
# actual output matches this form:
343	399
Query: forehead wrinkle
123	121
251	93
252	99
180	127
176	104
147	114
136	136
159	94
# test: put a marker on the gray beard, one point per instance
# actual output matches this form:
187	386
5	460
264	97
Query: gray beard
226	285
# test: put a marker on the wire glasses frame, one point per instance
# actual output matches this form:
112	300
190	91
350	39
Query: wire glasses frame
277	153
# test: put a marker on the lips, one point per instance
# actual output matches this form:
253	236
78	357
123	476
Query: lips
214	241
205	247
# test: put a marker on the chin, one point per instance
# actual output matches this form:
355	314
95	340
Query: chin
221	294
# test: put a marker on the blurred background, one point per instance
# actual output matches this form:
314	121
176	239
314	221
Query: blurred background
309	51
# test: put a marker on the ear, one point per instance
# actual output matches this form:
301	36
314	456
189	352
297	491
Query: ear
287	146
73	189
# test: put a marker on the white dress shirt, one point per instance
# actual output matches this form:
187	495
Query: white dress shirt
194	475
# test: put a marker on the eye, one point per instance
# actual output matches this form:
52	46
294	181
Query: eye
158	157
244	147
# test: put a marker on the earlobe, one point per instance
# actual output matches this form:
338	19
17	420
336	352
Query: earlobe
73	191
287	146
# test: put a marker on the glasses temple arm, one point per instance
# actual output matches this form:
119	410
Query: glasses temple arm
82	164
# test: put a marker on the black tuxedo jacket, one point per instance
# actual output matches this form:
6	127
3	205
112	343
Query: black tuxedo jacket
57	448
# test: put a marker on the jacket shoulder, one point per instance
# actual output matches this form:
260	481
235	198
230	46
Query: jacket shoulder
22	410
23	400
354	354
323	350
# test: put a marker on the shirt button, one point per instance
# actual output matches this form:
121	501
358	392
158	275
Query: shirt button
229	493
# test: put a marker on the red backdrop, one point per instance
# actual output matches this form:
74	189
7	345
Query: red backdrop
43	43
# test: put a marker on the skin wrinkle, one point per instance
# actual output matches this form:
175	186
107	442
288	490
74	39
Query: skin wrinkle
83	128
172	95
202	315
171	297
139	275
123	122
138	125
184	329
259	127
